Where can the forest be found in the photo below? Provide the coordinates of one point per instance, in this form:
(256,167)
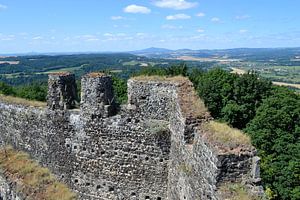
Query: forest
(269,114)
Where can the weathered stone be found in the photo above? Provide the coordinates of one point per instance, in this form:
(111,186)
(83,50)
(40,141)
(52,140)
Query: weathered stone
(152,150)
(97,97)
(61,91)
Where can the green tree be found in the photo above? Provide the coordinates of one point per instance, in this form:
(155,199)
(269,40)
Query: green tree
(216,88)
(176,70)
(120,89)
(275,131)
(6,89)
(35,91)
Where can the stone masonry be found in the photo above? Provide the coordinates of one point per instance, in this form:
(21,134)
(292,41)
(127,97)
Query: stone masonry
(154,148)
(61,91)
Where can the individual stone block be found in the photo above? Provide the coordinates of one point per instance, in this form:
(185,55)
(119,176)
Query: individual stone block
(61,91)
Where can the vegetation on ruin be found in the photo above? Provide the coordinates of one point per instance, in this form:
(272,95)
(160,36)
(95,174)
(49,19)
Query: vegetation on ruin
(31,179)
(235,191)
(226,135)
(269,114)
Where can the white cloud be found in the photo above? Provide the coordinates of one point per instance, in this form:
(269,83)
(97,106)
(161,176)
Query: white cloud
(215,19)
(243,31)
(178,16)
(175,4)
(108,34)
(200,30)
(168,26)
(201,14)
(85,38)
(7,37)
(137,9)
(115,36)
(37,38)
(3,7)
(89,38)
(242,17)
(117,18)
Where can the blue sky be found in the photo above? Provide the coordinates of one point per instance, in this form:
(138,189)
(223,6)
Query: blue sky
(121,25)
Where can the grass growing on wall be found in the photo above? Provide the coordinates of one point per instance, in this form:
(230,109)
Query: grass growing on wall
(32,180)
(235,191)
(226,135)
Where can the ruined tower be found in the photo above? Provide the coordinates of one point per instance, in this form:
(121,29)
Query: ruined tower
(61,91)
(97,97)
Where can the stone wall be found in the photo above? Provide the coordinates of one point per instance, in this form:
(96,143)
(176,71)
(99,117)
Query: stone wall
(151,150)
(8,189)
(97,97)
(61,91)
(197,165)
(110,158)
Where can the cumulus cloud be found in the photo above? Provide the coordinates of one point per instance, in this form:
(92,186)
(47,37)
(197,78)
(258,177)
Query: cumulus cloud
(137,9)
(117,18)
(90,38)
(201,14)
(178,16)
(37,38)
(3,7)
(175,4)
(7,37)
(243,31)
(116,36)
(242,17)
(215,19)
(200,30)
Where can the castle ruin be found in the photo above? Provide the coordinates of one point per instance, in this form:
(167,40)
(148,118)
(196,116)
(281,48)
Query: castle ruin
(156,147)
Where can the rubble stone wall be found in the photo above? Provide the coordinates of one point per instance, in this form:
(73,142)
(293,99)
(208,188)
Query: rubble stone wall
(150,150)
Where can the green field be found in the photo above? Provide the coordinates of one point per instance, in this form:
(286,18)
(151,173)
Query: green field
(68,69)
(288,74)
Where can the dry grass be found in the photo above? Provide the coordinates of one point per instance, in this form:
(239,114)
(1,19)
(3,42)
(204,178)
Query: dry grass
(31,179)
(160,78)
(287,84)
(96,74)
(234,191)
(225,135)
(20,101)
(190,104)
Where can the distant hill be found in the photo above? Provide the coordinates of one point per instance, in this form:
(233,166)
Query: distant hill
(238,53)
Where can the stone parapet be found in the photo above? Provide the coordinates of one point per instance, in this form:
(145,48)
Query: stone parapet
(97,97)
(61,91)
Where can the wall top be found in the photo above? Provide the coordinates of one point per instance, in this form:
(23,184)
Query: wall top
(96,75)
(61,74)
(174,80)
(190,104)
